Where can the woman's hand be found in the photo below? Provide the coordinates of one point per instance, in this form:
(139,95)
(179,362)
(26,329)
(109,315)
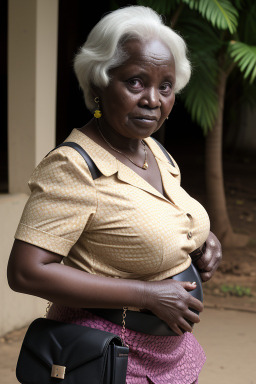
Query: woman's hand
(170,301)
(211,258)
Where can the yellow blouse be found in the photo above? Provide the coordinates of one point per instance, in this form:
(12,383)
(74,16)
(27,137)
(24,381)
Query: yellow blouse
(117,225)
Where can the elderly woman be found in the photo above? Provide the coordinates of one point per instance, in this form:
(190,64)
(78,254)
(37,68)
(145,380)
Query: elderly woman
(117,240)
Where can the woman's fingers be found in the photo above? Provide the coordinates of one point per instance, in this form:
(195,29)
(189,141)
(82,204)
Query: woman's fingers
(208,271)
(209,262)
(188,285)
(182,325)
(195,304)
(171,301)
(191,316)
(176,329)
(192,301)
(185,326)
(205,275)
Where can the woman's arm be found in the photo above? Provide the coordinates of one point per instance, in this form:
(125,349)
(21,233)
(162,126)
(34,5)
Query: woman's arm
(38,272)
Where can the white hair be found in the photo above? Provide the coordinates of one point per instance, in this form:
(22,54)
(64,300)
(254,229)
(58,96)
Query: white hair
(103,47)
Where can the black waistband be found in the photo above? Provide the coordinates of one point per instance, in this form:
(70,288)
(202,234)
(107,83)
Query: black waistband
(136,321)
(145,322)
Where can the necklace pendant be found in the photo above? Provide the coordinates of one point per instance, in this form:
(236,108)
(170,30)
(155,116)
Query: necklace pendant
(145,165)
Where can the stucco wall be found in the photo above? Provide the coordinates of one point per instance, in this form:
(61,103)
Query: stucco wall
(32,78)
(16,309)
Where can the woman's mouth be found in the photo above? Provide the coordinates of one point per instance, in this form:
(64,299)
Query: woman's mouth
(146,120)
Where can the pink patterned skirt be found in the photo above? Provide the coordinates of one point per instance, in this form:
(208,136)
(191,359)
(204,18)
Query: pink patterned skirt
(152,359)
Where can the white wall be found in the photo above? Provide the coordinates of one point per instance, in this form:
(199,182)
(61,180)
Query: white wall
(32,79)
(16,309)
(32,74)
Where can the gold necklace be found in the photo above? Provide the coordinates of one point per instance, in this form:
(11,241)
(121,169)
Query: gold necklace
(145,164)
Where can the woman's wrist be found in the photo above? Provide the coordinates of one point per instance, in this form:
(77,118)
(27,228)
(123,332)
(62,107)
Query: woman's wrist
(144,295)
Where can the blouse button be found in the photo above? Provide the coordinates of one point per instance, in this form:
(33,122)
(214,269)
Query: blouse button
(189,235)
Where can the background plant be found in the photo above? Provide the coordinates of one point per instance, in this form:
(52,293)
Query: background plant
(221,37)
(236,290)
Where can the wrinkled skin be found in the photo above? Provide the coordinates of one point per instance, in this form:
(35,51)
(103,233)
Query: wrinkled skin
(170,301)
(211,259)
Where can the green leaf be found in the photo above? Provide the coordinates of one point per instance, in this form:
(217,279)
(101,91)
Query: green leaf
(220,13)
(200,98)
(199,34)
(245,57)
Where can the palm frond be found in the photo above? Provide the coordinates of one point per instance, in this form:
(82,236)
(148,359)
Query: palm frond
(220,13)
(200,98)
(245,57)
(198,33)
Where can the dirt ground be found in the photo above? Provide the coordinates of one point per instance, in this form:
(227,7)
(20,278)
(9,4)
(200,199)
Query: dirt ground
(227,328)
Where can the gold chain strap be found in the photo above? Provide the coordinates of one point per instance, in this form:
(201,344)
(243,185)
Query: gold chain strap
(123,327)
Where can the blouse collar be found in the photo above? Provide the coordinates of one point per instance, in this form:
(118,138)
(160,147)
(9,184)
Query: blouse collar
(106,162)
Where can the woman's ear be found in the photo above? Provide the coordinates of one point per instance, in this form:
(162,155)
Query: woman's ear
(95,91)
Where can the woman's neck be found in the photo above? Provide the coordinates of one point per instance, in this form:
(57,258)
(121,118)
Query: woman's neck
(115,139)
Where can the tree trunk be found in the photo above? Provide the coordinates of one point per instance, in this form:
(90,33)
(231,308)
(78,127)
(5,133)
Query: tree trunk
(216,200)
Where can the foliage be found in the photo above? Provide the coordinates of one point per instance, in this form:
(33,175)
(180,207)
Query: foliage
(235,290)
(203,44)
(245,57)
(221,14)
(221,36)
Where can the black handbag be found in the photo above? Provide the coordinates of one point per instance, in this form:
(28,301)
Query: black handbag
(54,352)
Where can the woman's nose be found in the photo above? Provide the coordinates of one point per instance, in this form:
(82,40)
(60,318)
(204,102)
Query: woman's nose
(151,98)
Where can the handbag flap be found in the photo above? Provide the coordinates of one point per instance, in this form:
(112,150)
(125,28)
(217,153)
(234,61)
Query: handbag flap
(68,345)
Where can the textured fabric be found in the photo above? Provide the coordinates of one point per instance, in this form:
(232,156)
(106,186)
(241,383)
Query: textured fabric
(152,359)
(118,225)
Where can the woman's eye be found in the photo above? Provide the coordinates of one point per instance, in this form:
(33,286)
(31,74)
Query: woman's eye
(166,87)
(135,83)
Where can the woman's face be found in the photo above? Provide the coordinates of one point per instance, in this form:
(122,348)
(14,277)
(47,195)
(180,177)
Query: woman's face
(140,94)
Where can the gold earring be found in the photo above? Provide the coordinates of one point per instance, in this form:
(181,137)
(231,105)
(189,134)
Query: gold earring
(97,112)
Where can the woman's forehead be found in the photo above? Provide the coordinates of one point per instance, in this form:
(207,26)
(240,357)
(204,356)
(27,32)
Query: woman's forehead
(153,50)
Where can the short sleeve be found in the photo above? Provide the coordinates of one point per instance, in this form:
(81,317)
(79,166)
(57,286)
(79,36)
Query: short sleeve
(62,202)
